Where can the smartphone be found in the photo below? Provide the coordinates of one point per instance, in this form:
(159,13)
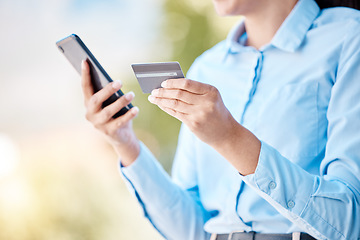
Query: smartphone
(75,51)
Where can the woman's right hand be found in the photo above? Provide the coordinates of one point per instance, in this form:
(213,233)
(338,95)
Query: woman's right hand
(118,131)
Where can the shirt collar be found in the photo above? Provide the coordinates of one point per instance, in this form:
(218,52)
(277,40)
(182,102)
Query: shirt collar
(291,33)
(293,30)
(232,40)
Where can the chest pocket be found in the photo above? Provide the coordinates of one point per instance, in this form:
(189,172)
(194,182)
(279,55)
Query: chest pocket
(288,120)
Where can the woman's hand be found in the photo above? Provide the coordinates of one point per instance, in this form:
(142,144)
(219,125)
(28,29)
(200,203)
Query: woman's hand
(118,131)
(201,108)
(196,104)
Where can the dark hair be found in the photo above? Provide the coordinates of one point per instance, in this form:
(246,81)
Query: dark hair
(339,3)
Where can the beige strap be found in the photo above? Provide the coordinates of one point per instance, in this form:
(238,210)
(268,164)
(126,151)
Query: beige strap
(213,236)
(296,235)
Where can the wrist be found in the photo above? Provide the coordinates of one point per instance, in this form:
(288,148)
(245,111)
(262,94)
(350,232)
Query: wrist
(241,148)
(127,152)
(229,133)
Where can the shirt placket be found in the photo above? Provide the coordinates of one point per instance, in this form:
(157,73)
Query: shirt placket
(259,58)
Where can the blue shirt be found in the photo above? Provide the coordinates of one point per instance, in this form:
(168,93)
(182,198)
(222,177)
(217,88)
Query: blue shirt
(300,95)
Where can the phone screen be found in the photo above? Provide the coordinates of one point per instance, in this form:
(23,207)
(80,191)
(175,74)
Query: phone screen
(75,51)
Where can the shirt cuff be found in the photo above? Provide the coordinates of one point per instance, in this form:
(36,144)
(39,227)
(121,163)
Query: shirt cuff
(150,182)
(282,183)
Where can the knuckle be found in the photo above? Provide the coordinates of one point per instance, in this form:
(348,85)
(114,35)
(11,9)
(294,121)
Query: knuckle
(107,131)
(175,113)
(169,111)
(202,116)
(94,100)
(120,122)
(122,102)
(196,124)
(97,125)
(186,83)
(174,103)
(210,107)
(160,92)
(214,91)
(106,114)
(178,94)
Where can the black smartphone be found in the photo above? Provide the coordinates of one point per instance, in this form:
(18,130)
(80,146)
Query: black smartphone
(75,51)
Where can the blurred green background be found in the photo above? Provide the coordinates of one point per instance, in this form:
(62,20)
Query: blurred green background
(59,179)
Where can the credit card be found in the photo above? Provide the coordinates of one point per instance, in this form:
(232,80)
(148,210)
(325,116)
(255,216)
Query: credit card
(151,75)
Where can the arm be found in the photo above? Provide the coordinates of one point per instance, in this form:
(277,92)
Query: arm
(326,206)
(174,211)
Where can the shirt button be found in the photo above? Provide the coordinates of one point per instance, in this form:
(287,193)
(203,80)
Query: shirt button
(291,204)
(272,185)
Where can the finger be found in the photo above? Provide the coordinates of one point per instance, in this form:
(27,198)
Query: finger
(186,84)
(87,87)
(99,97)
(124,119)
(174,104)
(182,95)
(109,111)
(179,115)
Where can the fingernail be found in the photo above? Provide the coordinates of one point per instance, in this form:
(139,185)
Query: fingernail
(116,84)
(135,109)
(163,84)
(129,96)
(83,64)
(151,98)
(155,92)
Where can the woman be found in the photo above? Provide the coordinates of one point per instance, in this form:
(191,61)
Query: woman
(269,145)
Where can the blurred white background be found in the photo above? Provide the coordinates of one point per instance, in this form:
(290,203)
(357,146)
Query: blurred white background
(33,73)
(59,179)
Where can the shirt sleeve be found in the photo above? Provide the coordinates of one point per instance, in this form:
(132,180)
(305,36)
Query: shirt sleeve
(326,206)
(174,211)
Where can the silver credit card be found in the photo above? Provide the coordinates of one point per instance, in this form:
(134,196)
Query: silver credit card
(151,75)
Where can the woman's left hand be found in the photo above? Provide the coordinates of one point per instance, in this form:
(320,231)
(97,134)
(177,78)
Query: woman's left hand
(197,105)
